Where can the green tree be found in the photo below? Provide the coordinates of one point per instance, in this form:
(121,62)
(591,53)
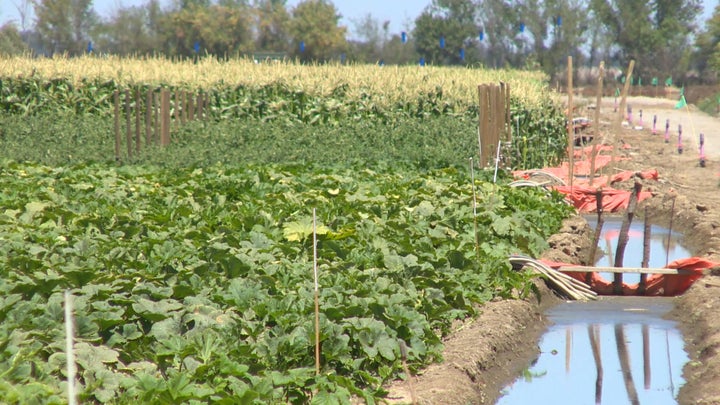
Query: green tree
(654,33)
(315,23)
(444,28)
(11,42)
(64,25)
(707,44)
(369,39)
(128,32)
(272,25)
(217,30)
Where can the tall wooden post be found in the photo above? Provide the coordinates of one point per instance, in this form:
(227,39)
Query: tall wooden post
(598,104)
(148,117)
(570,126)
(165,113)
(138,120)
(128,127)
(116,100)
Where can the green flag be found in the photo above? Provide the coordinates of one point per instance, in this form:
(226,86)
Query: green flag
(654,81)
(617,92)
(682,103)
(639,81)
(668,81)
(682,90)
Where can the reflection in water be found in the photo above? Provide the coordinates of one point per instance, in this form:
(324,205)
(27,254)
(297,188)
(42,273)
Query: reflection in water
(603,343)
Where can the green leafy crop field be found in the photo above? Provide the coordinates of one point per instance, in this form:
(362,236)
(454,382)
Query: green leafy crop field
(191,265)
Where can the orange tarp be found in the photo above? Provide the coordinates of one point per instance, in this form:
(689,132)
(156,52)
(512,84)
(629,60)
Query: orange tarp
(583,198)
(667,285)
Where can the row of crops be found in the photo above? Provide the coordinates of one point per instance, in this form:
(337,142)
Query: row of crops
(191,266)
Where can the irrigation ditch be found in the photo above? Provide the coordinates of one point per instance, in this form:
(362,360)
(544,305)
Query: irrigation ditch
(485,355)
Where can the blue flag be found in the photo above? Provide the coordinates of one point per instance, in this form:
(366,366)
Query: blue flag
(302,46)
(196,47)
(442,42)
(422,61)
(481,35)
(403,37)
(462,53)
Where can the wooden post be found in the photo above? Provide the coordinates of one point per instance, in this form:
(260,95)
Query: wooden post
(148,117)
(128,127)
(165,113)
(646,253)
(191,108)
(647,370)
(508,121)
(598,104)
(184,112)
(623,238)
(200,105)
(138,120)
(626,88)
(116,100)
(570,126)
(598,231)
(482,123)
(176,109)
(156,117)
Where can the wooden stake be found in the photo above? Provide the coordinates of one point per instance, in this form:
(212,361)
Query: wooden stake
(598,231)
(646,253)
(571,127)
(148,117)
(138,120)
(116,100)
(667,248)
(176,109)
(475,225)
(165,112)
(69,348)
(317,299)
(598,103)
(128,127)
(623,238)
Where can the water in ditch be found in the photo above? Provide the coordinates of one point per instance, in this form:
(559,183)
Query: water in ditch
(617,350)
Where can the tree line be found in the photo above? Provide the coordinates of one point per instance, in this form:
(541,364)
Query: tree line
(664,37)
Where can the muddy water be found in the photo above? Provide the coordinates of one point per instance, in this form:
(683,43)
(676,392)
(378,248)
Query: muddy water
(617,350)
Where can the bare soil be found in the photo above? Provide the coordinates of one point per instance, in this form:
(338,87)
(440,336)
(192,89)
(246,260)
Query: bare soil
(486,354)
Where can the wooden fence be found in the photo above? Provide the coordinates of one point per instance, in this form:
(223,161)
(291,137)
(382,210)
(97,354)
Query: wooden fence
(155,112)
(493,121)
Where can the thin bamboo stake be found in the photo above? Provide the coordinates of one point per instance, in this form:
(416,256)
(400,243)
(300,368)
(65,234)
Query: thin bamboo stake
(672,215)
(571,127)
(317,298)
(69,349)
(475,225)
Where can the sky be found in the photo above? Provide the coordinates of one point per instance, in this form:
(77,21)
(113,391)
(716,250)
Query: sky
(400,13)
